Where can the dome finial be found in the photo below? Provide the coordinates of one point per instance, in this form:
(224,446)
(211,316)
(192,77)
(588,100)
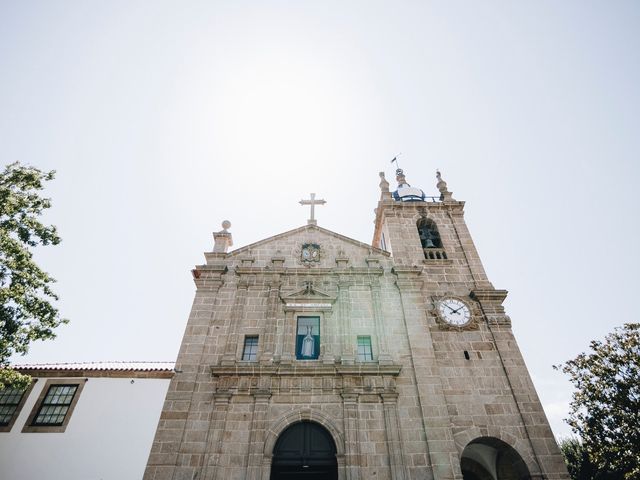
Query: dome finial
(405,192)
(222,240)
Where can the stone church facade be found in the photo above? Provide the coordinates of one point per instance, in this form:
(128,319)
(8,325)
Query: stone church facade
(313,355)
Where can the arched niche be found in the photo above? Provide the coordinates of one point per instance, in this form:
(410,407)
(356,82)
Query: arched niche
(488,458)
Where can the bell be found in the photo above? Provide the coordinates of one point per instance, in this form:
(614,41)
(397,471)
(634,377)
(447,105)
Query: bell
(429,243)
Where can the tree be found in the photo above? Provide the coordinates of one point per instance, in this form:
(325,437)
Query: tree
(579,464)
(26,309)
(605,408)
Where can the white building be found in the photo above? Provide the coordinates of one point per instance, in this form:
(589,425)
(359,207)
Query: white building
(82,421)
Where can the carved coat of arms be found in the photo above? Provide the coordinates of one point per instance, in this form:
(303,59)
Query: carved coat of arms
(310,253)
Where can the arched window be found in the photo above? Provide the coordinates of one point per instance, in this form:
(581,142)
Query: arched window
(429,236)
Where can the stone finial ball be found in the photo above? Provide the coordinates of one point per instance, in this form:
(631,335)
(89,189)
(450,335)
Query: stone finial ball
(226,224)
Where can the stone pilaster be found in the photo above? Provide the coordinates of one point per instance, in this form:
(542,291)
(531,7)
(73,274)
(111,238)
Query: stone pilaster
(286,341)
(394,440)
(383,346)
(273,302)
(347,353)
(472,259)
(236,317)
(431,398)
(176,420)
(352,452)
(256,439)
(216,430)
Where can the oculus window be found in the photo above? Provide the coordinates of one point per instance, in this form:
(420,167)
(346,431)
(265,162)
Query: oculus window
(365,354)
(250,350)
(308,338)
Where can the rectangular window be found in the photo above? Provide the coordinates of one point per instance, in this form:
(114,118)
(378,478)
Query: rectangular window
(365,353)
(10,400)
(55,405)
(52,411)
(250,351)
(308,338)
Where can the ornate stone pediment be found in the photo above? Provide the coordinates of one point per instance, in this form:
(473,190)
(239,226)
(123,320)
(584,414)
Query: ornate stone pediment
(309,297)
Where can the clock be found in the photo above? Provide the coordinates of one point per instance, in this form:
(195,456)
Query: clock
(454,311)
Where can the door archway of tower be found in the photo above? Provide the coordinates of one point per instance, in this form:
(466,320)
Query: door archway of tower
(488,458)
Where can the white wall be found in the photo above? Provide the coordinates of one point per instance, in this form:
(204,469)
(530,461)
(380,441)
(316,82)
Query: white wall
(108,437)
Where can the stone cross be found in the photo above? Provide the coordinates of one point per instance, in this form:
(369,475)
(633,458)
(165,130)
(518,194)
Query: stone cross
(313,202)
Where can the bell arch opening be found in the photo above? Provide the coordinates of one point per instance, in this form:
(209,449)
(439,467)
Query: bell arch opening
(305,450)
(430,239)
(489,458)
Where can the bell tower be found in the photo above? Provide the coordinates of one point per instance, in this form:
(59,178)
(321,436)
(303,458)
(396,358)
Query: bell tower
(461,335)
(422,230)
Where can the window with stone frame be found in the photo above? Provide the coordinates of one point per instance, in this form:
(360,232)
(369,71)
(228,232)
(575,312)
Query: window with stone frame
(11,402)
(54,407)
(250,350)
(365,352)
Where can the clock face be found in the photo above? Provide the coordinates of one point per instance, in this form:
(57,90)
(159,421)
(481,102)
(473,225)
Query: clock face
(454,311)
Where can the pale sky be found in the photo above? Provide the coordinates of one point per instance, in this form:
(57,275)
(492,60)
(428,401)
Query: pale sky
(164,118)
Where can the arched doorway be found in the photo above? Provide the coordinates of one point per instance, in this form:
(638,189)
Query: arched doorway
(489,458)
(305,450)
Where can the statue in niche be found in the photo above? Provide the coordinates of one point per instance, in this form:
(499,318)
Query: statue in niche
(308,344)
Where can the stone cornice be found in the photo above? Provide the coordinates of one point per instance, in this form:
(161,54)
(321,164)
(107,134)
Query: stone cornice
(406,271)
(308,271)
(215,257)
(316,369)
(489,295)
(450,205)
(208,277)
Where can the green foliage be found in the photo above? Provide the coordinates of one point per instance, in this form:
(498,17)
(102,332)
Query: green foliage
(579,464)
(605,408)
(26,309)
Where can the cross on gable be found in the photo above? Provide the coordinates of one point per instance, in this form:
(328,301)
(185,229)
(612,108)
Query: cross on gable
(313,202)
